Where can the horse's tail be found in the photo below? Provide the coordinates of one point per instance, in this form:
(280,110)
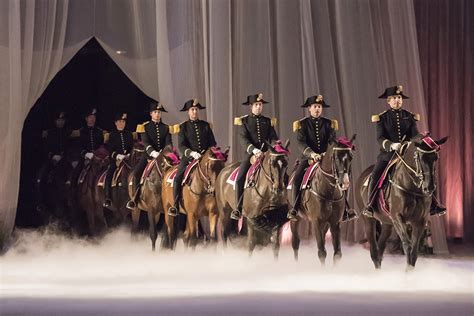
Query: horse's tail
(359,187)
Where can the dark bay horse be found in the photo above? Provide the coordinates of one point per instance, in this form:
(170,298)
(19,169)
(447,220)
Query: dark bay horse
(407,198)
(150,199)
(119,189)
(198,197)
(86,192)
(323,201)
(265,203)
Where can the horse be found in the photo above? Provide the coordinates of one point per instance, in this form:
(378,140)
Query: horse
(86,193)
(197,198)
(265,203)
(405,200)
(150,199)
(119,189)
(323,199)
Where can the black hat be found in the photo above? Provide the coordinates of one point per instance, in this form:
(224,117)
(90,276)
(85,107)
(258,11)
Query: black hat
(120,116)
(251,99)
(189,104)
(92,111)
(318,99)
(156,105)
(60,114)
(396,90)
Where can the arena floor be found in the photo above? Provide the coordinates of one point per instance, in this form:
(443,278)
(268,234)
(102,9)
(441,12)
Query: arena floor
(48,274)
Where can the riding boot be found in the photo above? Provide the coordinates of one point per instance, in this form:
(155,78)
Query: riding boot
(108,200)
(437,208)
(293,212)
(370,209)
(174,210)
(239,191)
(349,213)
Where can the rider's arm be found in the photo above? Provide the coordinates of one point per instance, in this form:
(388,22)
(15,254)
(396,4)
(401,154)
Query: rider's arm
(146,142)
(244,138)
(183,144)
(301,140)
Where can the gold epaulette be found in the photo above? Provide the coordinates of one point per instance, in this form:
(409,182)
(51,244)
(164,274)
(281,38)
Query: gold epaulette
(417,116)
(334,125)
(171,129)
(106,137)
(210,125)
(376,118)
(141,127)
(135,135)
(296,125)
(76,133)
(238,120)
(44,134)
(273,121)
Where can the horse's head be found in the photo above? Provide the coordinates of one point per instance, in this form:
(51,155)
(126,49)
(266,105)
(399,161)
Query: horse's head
(425,154)
(275,163)
(101,158)
(168,158)
(212,162)
(137,152)
(340,152)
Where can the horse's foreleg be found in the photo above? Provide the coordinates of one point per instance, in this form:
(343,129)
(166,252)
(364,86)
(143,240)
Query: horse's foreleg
(382,242)
(336,241)
(295,239)
(370,225)
(252,238)
(318,229)
(135,220)
(191,230)
(213,218)
(416,234)
(276,232)
(401,229)
(152,229)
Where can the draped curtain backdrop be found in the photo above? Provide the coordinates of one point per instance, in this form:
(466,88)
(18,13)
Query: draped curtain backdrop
(219,51)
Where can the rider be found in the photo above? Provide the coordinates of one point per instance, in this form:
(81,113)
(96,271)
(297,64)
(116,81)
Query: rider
(195,136)
(393,126)
(156,136)
(253,131)
(120,145)
(91,137)
(313,134)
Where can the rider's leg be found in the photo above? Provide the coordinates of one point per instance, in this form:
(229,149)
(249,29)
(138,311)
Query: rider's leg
(137,174)
(108,184)
(239,188)
(382,161)
(177,184)
(436,207)
(296,189)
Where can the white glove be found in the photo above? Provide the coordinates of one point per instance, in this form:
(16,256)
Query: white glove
(315,156)
(120,157)
(395,146)
(89,155)
(56,158)
(256,152)
(154,154)
(195,155)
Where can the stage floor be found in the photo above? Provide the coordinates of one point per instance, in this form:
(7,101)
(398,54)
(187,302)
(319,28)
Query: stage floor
(48,274)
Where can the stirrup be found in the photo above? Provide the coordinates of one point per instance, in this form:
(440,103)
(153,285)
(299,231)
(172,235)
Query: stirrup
(292,215)
(173,211)
(349,216)
(107,203)
(131,205)
(368,211)
(236,214)
(439,211)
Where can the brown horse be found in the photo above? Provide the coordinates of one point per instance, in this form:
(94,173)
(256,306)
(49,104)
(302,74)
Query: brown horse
(86,193)
(265,203)
(407,198)
(323,200)
(119,192)
(150,199)
(198,197)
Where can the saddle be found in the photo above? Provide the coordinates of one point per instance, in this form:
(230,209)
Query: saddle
(250,177)
(308,176)
(148,169)
(187,173)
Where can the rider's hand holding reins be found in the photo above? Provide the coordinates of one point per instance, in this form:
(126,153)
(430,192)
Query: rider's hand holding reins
(120,157)
(154,154)
(395,146)
(316,157)
(257,152)
(195,155)
(89,155)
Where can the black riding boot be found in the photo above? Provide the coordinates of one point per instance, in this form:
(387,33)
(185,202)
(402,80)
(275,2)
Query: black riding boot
(239,191)
(296,196)
(174,210)
(132,204)
(369,209)
(437,208)
(349,213)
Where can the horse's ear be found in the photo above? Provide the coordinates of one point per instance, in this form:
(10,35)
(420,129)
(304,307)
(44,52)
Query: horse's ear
(353,138)
(287,144)
(442,140)
(226,150)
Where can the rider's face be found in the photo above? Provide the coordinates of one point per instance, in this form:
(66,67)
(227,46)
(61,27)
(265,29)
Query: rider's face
(395,101)
(90,120)
(257,108)
(315,110)
(155,115)
(193,113)
(120,124)
(60,122)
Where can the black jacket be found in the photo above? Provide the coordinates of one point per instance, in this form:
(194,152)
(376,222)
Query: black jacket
(120,142)
(156,136)
(393,125)
(254,130)
(194,136)
(313,135)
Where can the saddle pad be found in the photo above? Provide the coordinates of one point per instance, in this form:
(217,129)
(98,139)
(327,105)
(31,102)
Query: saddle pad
(250,177)
(233,177)
(308,175)
(83,173)
(101,181)
(290,183)
(117,174)
(148,169)
(170,178)
(382,204)
(189,169)
(382,179)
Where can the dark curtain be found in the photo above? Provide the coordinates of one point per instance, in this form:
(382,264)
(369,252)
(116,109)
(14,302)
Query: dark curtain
(444,30)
